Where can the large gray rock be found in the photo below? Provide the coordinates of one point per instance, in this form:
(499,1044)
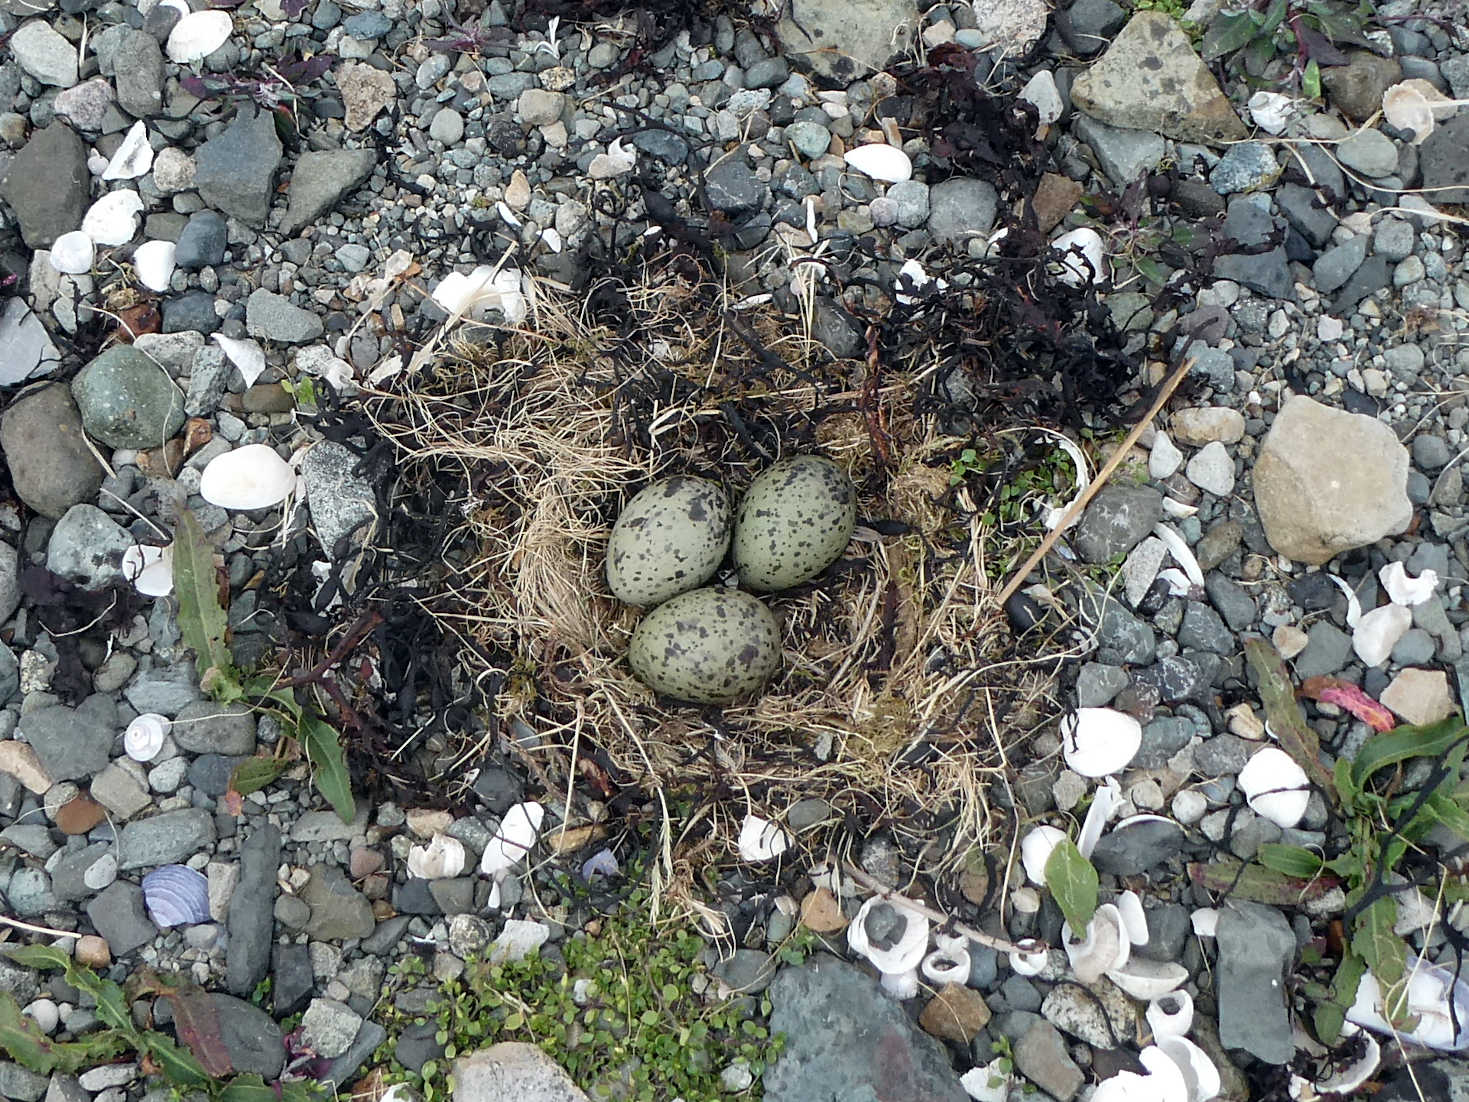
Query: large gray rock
(1256,947)
(47,185)
(128,401)
(251,918)
(1327,481)
(1151,79)
(1116,520)
(235,170)
(250,1035)
(72,743)
(514,1069)
(50,464)
(1444,161)
(164,839)
(44,54)
(341,501)
(138,68)
(960,209)
(320,180)
(846,1039)
(87,546)
(847,39)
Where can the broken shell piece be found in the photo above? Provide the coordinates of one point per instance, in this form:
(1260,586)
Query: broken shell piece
(1083,256)
(1134,917)
(1040,92)
(197,35)
(517,835)
(1178,547)
(145,735)
(251,477)
(1177,581)
(134,157)
(1164,1082)
(1104,948)
(1378,631)
(760,839)
(1205,921)
(1147,980)
(916,279)
(153,264)
(1054,516)
(892,934)
(617,161)
(1349,1078)
(1171,1015)
(1415,105)
(1025,900)
(1271,111)
(1098,741)
(72,253)
(149,568)
(1354,606)
(988,1082)
(880,161)
(113,219)
(949,963)
(1275,786)
(1027,959)
(245,354)
(1104,800)
(1403,590)
(1433,995)
(1177,509)
(442,859)
(1200,1076)
(1035,850)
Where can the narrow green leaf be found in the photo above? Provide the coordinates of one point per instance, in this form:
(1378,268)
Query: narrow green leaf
(1256,883)
(1381,950)
(1311,86)
(1402,743)
(1286,719)
(1331,1014)
(38,956)
(253,774)
(1228,32)
(1346,788)
(324,751)
(202,620)
(112,1004)
(1274,16)
(1073,882)
(1291,860)
(251,1088)
(178,1064)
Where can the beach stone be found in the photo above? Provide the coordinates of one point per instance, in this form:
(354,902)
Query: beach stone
(44,54)
(251,915)
(1100,1014)
(250,1035)
(26,349)
(1200,425)
(118,914)
(127,401)
(235,170)
(86,547)
(1337,265)
(205,727)
(961,208)
(1212,470)
(1124,154)
(538,107)
(957,1013)
(339,911)
(1151,79)
(341,500)
(45,448)
(47,185)
(1041,1056)
(1245,166)
(1356,88)
(1420,696)
(1369,152)
(273,317)
(164,839)
(1306,213)
(1116,520)
(1327,481)
(845,39)
(72,743)
(1444,161)
(513,1069)
(365,90)
(1256,948)
(138,73)
(320,180)
(85,106)
(202,243)
(733,187)
(865,1046)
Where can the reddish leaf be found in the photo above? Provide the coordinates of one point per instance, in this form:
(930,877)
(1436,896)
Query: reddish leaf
(1333,690)
(197,1027)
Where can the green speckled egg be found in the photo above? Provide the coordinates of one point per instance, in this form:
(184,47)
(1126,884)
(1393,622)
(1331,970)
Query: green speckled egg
(793,523)
(710,646)
(671,538)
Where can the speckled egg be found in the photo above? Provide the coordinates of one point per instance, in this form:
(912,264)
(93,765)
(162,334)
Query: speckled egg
(671,538)
(794,522)
(710,646)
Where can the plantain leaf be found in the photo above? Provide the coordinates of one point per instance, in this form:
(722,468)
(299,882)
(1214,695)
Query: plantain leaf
(38,956)
(202,619)
(1228,32)
(1381,950)
(324,751)
(22,1040)
(1291,860)
(1311,89)
(1256,883)
(1286,720)
(253,774)
(1330,1014)
(1073,882)
(1403,743)
(178,1064)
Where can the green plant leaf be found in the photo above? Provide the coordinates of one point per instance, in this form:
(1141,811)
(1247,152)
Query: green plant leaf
(38,956)
(1346,789)
(24,1042)
(1258,884)
(324,751)
(1286,719)
(1228,32)
(202,620)
(1291,860)
(253,774)
(1073,882)
(1331,1014)
(1274,16)
(178,1064)
(1311,89)
(1381,950)
(112,1003)
(1402,743)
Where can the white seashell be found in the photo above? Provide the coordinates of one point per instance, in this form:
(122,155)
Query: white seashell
(907,952)
(617,161)
(1178,582)
(252,477)
(1054,516)
(474,295)
(246,355)
(1104,948)
(1354,606)
(1104,801)
(1200,1076)
(442,859)
(1205,921)
(916,278)
(1091,263)
(1430,992)
(1178,547)
(515,838)
(551,238)
(1163,1083)
(507,215)
(989,1082)
(1149,979)
(197,35)
(1378,631)
(1035,850)
(134,157)
(72,253)
(113,219)
(144,736)
(1275,786)
(760,839)
(1349,1078)
(1098,741)
(1271,111)
(1171,1015)
(1025,960)
(1416,105)
(1178,509)
(1403,590)
(1134,917)
(149,568)
(101,872)
(941,966)
(153,264)
(880,161)
(1041,92)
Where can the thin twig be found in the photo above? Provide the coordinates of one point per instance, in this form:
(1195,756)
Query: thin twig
(19,925)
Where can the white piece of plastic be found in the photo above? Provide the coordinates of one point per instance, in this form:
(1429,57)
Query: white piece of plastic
(517,835)
(761,840)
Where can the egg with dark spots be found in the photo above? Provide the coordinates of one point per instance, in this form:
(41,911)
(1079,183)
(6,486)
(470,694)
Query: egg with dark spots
(708,646)
(670,538)
(794,522)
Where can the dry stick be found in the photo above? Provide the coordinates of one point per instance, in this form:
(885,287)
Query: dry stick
(19,925)
(1097,483)
(857,873)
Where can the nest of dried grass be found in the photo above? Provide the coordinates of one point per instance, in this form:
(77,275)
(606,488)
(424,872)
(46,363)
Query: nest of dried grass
(899,702)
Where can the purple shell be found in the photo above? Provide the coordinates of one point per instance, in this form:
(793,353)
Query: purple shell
(176,895)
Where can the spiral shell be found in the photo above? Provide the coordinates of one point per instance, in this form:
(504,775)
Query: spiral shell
(144,736)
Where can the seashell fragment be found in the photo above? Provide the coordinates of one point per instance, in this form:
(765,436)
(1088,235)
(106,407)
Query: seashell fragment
(149,568)
(144,736)
(72,253)
(134,157)
(1134,917)
(894,953)
(517,835)
(442,859)
(1200,1076)
(1171,1015)
(760,839)
(1083,256)
(1104,947)
(1349,1078)
(916,279)
(1035,850)
(113,219)
(176,895)
(153,264)
(1099,741)
(1146,980)
(949,963)
(197,35)
(1205,921)
(1027,959)
(1275,786)
(1433,995)
(482,290)
(880,161)
(1271,111)
(1378,631)
(1354,606)
(251,477)
(245,354)
(1403,590)
(1103,802)
(1416,105)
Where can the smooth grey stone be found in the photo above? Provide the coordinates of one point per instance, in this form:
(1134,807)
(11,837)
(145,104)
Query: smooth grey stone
(1137,847)
(1256,948)
(1097,683)
(51,466)
(164,839)
(118,914)
(1162,738)
(235,170)
(1232,601)
(72,744)
(1202,628)
(960,209)
(1305,211)
(47,185)
(1335,266)
(251,916)
(203,241)
(747,971)
(128,401)
(269,316)
(322,177)
(250,1035)
(733,188)
(339,912)
(1328,649)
